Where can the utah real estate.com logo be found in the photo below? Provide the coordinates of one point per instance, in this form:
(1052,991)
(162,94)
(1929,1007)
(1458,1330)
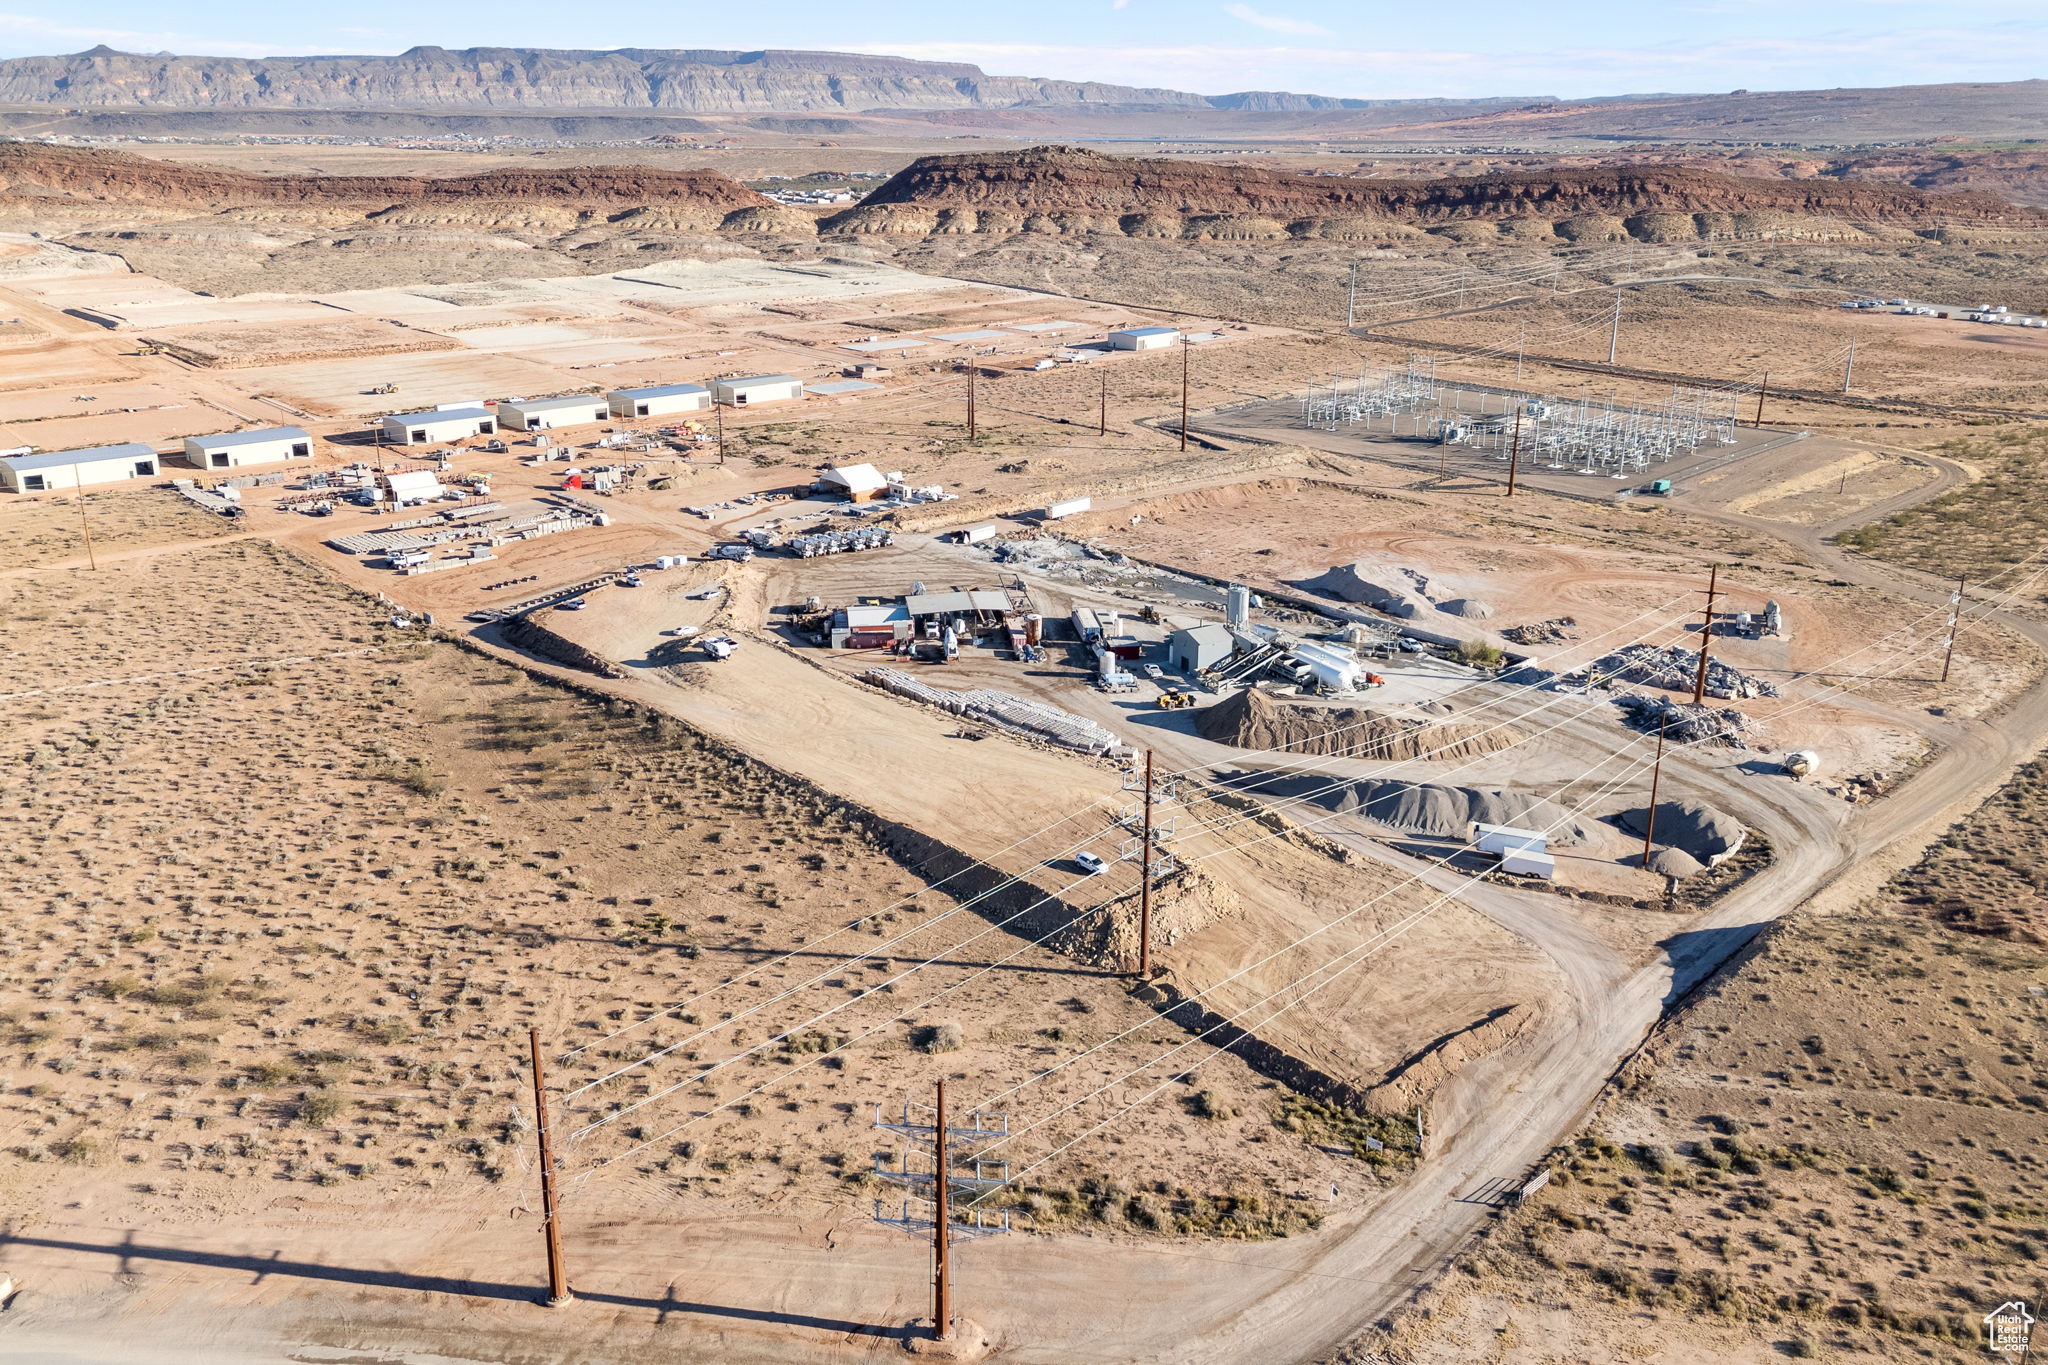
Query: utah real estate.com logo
(2009,1328)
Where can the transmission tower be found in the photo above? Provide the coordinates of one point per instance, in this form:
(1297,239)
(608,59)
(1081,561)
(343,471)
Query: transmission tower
(934,1153)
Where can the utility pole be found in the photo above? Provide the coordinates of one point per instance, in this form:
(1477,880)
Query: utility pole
(1183,392)
(718,417)
(1514,452)
(1955,625)
(971,368)
(1656,777)
(1614,333)
(1761,389)
(551,1226)
(84,521)
(949,1146)
(1699,682)
(1145,880)
(1102,409)
(1351,300)
(1521,345)
(1461,286)
(1849,367)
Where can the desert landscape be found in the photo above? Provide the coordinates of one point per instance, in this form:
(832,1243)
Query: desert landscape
(799,707)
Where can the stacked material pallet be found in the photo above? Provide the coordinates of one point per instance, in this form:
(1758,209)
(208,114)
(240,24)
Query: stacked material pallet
(1000,708)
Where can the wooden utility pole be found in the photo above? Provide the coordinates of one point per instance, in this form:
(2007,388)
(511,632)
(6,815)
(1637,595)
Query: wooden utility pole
(942,1226)
(558,1277)
(718,417)
(1699,682)
(1955,625)
(971,368)
(1656,777)
(84,521)
(1521,345)
(1514,452)
(1183,392)
(1102,408)
(1145,880)
(1761,389)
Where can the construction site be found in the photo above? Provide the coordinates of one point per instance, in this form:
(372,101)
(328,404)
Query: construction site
(801,810)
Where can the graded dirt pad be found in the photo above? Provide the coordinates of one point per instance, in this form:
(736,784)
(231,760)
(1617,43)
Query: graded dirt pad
(1835,1153)
(1251,719)
(232,347)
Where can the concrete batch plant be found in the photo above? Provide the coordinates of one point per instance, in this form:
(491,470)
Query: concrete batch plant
(544,414)
(53,470)
(233,449)
(441,424)
(1143,338)
(752,389)
(659,401)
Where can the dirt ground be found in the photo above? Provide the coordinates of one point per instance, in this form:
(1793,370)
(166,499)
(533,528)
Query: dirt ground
(1835,1152)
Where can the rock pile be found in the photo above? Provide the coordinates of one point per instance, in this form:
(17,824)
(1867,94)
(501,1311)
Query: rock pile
(1674,669)
(1556,631)
(1252,720)
(1684,723)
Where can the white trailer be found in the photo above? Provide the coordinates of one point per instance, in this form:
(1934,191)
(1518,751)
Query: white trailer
(1068,508)
(974,535)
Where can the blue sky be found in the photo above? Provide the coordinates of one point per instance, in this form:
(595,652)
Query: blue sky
(1360,48)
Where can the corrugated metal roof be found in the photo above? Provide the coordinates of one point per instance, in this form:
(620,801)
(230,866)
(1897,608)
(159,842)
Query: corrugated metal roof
(835,387)
(58,459)
(867,617)
(752,379)
(422,419)
(660,391)
(933,603)
(578,401)
(1144,332)
(229,439)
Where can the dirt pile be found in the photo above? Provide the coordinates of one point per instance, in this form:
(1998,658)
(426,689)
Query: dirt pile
(1425,808)
(1072,189)
(34,171)
(1253,720)
(1708,835)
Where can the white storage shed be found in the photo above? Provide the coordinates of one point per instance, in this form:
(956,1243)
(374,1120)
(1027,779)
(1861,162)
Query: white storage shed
(659,401)
(413,485)
(233,449)
(54,470)
(442,424)
(1143,338)
(544,414)
(756,388)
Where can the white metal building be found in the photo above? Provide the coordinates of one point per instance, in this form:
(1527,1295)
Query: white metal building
(442,424)
(233,449)
(659,401)
(858,482)
(1198,648)
(55,470)
(413,485)
(543,414)
(1143,338)
(756,388)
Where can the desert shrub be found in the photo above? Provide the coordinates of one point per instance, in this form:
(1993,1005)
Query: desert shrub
(1480,654)
(320,1108)
(947,1037)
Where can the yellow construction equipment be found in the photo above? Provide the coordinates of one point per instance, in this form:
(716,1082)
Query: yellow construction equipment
(385,388)
(1175,701)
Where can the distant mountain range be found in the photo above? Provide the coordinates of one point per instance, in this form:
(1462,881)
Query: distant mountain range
(689,81)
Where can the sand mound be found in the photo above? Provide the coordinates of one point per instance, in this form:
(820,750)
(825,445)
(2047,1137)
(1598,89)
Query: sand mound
(1360,583)
(1425,808)
(1705,834)
(1675,862)
(1253,720)
(1469,608)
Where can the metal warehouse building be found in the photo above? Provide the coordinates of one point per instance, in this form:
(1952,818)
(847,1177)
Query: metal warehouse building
(659,401)
(53,470)
(542,414)
(1198,648)
(1142,338)
(233,449)
(442,424)
(756,388)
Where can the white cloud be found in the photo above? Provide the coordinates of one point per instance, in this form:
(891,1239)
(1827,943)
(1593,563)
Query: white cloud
(1276,23)
(42,31)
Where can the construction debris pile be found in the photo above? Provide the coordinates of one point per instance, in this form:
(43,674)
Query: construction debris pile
(1424,808)
(1251,719)
(1674,669)
(1000,708)
(1556,631)
(1683,723)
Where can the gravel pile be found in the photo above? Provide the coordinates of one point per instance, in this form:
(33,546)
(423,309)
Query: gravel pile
(1425,808)
(1252,720)
(1707,835)
(1557,631)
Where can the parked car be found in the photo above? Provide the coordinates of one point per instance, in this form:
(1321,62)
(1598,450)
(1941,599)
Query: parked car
(573,604)
(1090,864)
(1152,671)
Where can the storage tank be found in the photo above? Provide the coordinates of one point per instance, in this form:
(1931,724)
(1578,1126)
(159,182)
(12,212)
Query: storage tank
(1802,763)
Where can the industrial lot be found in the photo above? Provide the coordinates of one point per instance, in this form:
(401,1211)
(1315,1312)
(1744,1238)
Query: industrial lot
(688,736)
